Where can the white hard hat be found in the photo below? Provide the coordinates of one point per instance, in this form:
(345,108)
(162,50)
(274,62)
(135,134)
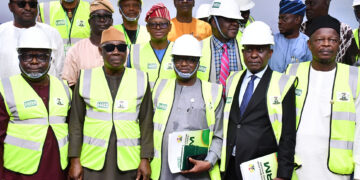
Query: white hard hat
(186,45)
(257,33)
(245,5)
(34,38)
(356,3)
(225,8)
(203,11)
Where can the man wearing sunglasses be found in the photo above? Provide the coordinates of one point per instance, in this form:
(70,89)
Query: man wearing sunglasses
(222,50)
(33,115)
(111,129)
(24,13)
(130,12)
(69,17)
(154,57)
(186,103)
(185,23)
(85,53)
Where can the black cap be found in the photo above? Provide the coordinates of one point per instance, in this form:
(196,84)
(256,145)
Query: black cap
(322,22)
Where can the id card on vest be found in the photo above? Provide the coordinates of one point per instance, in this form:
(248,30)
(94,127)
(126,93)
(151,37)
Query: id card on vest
(262,168)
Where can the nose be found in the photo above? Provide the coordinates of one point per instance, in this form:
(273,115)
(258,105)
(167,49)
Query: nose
(254,54)
(27,6)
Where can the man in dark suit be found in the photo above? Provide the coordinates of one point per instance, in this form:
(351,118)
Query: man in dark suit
(259,115)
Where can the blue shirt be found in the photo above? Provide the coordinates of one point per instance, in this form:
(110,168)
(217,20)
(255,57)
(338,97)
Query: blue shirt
(160,54)
(288,51)
(218,53)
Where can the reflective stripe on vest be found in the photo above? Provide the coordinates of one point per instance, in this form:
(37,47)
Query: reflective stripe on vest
(143,57)
(29,123)
(278,87)
(207,60)
(343,113)
(102,113)
(53,14)
(163,97)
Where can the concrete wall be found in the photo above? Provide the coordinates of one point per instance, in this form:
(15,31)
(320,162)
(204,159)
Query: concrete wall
(264,10)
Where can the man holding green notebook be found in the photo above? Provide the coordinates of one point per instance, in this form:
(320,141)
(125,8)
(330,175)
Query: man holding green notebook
(187,104)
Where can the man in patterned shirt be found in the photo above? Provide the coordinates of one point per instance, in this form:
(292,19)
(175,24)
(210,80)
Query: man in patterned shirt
(348,49)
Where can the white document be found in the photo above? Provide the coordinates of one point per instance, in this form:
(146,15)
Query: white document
(262,168)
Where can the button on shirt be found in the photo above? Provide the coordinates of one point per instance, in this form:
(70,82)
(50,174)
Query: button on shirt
(244,83)
(217,53)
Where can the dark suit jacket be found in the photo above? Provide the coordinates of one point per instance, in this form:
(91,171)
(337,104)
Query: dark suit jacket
(253,135)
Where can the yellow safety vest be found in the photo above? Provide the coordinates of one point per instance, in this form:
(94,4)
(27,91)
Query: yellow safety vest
(30,120)
(356,36)
(142,36)
(278,88)
(163,97)
(102,113)
(343,114)
(53,14)
(208,59)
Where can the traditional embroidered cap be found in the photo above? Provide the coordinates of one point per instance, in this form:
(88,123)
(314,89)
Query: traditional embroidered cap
(292,7)
(323,22)
(112,34)
(101,4)
(158,10)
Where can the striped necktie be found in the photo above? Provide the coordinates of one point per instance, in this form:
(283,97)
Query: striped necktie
(225,67)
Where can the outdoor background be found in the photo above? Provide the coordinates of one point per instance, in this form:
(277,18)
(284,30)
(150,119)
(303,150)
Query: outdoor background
(264,10)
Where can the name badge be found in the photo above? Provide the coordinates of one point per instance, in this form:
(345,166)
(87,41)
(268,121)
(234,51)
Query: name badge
(60,22)
(30,103)
(151,65)
(298,92)
(202,68)
(102,105)
(162,106)
(229,100)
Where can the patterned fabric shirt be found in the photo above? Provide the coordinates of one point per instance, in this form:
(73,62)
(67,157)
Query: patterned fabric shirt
(348,49)
(218,51)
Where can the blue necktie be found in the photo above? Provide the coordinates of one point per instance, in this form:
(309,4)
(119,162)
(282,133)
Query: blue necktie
(247,95)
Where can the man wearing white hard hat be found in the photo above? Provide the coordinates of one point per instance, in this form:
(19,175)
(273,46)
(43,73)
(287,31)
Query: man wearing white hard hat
(221,51)
(356,6)
(33,111)
(203,11)
(259,115)
(187,103)
(245,7)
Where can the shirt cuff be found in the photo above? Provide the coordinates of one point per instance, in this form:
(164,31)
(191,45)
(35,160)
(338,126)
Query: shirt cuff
(357,172)
(212,158)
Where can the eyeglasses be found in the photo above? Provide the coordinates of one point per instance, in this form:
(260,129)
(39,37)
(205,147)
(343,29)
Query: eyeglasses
(22,4)
(39,57)
(111,47)
(161,25)
(184,0)
(98,17)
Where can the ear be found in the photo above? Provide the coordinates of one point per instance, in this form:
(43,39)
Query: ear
(11,8)
(148,28)
(100,50)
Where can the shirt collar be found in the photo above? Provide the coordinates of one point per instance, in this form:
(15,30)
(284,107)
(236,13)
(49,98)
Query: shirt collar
(258,74)
(218,44)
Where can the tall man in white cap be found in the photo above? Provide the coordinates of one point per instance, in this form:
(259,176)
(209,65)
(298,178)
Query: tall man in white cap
(328,108)
(25,13)
(259,114)
(33,111)
(186,103)
(221,52)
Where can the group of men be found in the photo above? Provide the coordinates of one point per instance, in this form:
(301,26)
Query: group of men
(82,98)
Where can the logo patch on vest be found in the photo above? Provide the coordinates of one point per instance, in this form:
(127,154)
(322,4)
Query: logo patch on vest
(151,65)
(343,96)
(202,68)
(59,101)
(162,106)
(169,66)
(102,105)
(80,23)
(229,100)
(60,22)
(275,100)
(298,92)
(122,104)
(216,5)
(30,103)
